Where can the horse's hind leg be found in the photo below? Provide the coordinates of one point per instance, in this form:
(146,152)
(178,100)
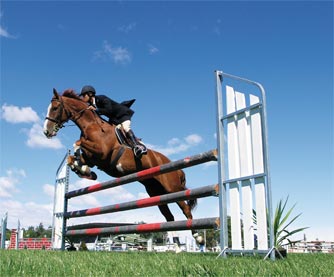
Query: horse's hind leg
(154,188)
(185,209)
(166,212)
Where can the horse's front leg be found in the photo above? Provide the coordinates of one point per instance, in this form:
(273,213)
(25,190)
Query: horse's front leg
(95,148)
(78,164)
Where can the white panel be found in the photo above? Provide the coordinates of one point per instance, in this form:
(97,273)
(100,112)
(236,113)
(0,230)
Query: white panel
(232,137)
(244,138)
(62,172)
(256,137)
(261,213)
(235,215)
(233,170)
(247,216)
(58,214)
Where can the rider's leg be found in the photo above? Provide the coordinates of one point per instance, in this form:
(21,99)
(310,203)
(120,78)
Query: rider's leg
(137,148)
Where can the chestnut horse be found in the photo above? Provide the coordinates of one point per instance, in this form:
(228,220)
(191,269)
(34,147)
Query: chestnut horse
(100,147)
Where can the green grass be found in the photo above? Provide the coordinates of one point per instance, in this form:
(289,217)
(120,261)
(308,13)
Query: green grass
(56,263)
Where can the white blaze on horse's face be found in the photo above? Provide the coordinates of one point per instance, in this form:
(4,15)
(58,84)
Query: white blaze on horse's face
(49,129)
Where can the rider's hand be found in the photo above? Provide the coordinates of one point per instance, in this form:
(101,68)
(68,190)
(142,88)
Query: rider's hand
(91,107)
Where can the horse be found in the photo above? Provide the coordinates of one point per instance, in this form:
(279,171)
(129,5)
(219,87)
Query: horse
(100,147)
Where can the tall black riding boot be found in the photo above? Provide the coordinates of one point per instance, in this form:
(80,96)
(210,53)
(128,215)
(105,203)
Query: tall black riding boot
(138,149)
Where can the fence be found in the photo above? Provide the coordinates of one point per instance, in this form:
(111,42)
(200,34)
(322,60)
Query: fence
(62,197)
(243,179)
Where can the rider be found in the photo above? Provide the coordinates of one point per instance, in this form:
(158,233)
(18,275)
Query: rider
(117,113)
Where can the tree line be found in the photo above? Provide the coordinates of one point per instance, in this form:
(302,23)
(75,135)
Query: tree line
(34,232)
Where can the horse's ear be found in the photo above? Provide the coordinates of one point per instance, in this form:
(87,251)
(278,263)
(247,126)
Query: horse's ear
(55,93)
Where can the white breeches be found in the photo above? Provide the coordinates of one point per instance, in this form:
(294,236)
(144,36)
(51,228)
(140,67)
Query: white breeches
(126,125)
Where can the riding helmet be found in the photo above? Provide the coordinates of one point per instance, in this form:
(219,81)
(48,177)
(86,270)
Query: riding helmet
(87,89)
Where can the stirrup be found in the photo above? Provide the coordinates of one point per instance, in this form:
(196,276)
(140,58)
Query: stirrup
(139,151)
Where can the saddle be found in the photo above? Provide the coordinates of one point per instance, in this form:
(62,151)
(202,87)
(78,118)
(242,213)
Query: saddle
(121,136)
(123,139)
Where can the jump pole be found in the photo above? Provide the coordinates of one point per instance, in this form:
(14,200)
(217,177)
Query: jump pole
(148,202)
(203,223)
(147,173)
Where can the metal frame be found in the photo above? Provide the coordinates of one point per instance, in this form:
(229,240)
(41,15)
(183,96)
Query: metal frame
(65,180)
(3,231)
(221,117)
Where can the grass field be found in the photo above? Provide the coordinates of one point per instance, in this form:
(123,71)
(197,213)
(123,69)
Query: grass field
(56,263)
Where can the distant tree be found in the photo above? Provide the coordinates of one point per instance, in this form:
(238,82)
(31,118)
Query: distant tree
(8,233)
(30,232)
(212,238)
(38,232)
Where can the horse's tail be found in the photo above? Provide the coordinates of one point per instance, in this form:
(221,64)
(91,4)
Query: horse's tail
(192,203)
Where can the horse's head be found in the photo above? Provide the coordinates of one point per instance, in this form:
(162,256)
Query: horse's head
(56,116)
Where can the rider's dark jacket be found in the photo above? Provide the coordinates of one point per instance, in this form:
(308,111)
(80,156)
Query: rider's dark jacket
(116,112)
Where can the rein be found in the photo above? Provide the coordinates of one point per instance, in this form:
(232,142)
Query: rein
(70,116)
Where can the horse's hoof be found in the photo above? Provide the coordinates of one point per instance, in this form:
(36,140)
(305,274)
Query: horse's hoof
(91,176)
(177,249)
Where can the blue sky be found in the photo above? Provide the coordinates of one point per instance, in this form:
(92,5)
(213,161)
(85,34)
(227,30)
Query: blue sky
(164,54)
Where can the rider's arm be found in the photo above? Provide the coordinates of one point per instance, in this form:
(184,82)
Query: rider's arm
(105,106)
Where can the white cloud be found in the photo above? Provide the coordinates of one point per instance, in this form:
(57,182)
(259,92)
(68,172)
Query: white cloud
(4,32)
(174,141)
(49,190)
(82,183)
(152,49)
(8,183)
(14,114)
(210,164)
(120,194)
(84,202)
(127,28)
(176,145)
(29,213)
(118,55)
(217,27)
(36,139)
(193,139)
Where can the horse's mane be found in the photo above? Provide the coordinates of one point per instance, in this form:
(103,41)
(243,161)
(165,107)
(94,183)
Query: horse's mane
(71,94)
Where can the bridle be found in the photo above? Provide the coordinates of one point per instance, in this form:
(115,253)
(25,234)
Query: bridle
(59,124)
